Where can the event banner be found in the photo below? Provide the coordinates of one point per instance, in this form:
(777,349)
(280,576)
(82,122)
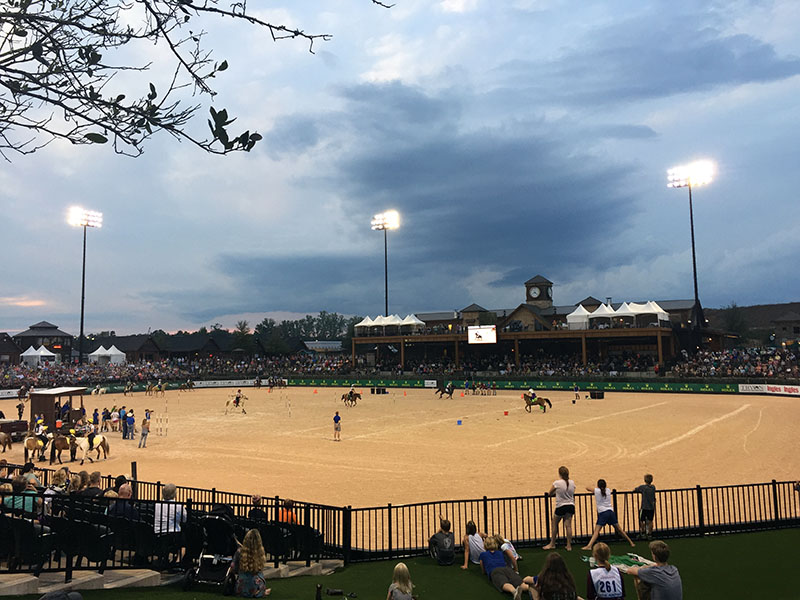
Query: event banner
(8,393)
(769,389)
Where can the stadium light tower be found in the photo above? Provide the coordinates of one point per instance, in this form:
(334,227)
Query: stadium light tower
(79,217)
(697,173)
(383,222)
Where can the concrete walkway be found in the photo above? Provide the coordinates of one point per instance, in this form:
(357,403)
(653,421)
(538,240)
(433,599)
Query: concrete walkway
(25,583)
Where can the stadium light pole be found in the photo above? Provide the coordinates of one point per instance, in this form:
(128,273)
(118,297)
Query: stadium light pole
(697,173)
(79,217)
(383,222)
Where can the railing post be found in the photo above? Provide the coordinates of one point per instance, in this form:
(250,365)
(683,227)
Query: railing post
(347,533)
(701,527)
(213,496)
(547,516)
(306,532)
(486,514)
(389,519)
(775,506)
(276,508)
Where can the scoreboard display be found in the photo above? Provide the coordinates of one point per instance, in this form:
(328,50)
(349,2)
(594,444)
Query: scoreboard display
(482,334)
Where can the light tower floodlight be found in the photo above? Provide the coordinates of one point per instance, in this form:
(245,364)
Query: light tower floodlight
(700,172)
(383,222)
(79,217)
(697,173)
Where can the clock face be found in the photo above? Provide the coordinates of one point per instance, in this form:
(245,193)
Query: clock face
(550,293)
(534,292)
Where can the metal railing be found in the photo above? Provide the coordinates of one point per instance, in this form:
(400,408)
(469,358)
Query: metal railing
(357,534)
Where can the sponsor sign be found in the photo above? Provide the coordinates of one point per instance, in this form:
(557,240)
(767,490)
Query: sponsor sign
(224,383)
(8,393)
(482,334)
(430,383)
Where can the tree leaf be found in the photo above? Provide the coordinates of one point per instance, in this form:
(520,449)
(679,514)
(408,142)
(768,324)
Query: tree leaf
(96,138)
(223,65)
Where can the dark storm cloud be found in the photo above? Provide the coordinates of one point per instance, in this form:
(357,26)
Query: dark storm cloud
(649,58)
(515,201)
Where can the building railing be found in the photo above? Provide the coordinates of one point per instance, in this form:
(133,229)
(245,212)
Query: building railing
(39,534)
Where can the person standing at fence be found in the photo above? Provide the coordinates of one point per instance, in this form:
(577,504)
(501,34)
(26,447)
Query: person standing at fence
(662,580)
(473,545)
(337,427)
(647,508)
(605,514)
(564,491)
(605,581)
(143,433)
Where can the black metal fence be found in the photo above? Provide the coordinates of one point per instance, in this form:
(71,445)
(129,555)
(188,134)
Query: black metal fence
(45,531)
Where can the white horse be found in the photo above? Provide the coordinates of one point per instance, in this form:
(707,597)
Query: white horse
(99,391)
(82,444)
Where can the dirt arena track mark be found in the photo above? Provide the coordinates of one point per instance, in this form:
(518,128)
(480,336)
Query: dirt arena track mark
(694,431)
(747,435)
(589,420)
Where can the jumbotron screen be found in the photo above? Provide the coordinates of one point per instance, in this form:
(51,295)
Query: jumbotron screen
(482,334)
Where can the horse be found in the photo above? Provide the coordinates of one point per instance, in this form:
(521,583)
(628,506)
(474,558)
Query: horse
(32,445)
(128,389)
(22,393)
(58,444)
(351,398)
(234,404)
(532,400)
(161,389)
(5,440)
(82,444)
(99,391)
(444,389)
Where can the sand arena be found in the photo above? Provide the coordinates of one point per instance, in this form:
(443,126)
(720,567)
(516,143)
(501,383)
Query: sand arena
(407,447)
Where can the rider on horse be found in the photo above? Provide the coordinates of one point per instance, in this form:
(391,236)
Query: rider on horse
(237,398)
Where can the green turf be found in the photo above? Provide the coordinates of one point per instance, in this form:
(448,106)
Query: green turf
(753,565)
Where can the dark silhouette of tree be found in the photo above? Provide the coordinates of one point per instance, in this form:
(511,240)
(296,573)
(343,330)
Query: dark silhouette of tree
(66,73)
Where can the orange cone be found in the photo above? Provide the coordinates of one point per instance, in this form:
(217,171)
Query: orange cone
(315,391)
(404,393)
(462,394)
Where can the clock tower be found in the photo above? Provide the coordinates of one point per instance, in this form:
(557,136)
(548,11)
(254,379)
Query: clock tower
(539,292)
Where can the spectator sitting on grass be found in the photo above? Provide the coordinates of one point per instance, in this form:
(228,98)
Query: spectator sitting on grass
(473,545)
(504,578)
(401,587)
(661,581)
(248,566)
(442,544)
(555,581)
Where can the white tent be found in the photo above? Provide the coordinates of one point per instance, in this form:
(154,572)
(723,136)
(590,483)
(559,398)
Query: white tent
(394,320)
(116,356)
(628,309)
(660,312)
(46,354)
(99,356)
(604,311)
(30,357)
(365,322)
(413,320)
(379,321)
(578,318)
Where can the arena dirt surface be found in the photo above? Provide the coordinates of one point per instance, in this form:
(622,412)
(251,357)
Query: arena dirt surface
(406,446)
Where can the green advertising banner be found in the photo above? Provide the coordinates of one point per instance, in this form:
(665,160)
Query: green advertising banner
(605,386)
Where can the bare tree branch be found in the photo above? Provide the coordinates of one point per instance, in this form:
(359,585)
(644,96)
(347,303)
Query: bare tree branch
(57,72)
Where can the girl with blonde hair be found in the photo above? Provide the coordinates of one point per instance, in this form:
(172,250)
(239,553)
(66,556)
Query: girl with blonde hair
(401,586)
(248,565)
(605,581)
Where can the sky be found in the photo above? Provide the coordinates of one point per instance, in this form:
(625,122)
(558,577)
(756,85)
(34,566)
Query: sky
(515,138)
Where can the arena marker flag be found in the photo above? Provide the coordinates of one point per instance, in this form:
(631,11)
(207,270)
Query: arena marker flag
(505,413)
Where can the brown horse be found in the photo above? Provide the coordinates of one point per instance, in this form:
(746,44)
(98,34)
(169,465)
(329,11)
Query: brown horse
(57,445)
(5,440)
(33,445)
(531,401)
(351,398)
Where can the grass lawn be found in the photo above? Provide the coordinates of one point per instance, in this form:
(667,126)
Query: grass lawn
(733,566)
